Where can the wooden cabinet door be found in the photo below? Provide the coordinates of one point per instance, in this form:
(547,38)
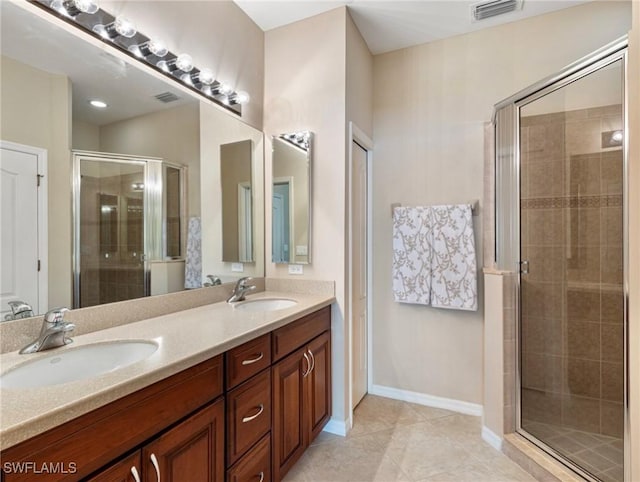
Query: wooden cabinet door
(318,402)
(191,451)
(127,470)
(289,427)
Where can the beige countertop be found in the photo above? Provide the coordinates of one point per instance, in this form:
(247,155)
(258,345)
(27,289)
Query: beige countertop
(185,339)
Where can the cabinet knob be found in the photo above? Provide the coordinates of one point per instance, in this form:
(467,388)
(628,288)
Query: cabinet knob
(253,417)
(261,475)
(253,360)
(154,461)
(134,472)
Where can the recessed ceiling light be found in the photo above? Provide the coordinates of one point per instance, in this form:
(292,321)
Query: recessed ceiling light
(98,103)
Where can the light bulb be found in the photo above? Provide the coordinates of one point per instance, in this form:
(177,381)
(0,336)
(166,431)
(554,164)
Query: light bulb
(164,65)
(242,97)
(184,62)
(207,77)
(86,6)
(125,27)
(225,89)
(98,103)
(186,78)
(158,48)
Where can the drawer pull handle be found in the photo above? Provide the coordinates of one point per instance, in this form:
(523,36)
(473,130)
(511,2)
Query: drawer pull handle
(253,417)
(313,361)
(134,472)
(306,372)
(250,361)
(261,476)
(154,461)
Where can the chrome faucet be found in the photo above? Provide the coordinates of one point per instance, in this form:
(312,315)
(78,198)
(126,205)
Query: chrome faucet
(53,333)
(213,281)
(240,290)
(19,310)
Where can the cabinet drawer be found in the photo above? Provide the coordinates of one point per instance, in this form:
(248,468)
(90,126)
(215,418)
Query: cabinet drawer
(255,465)
(294,335)
(248,415)
(246,360)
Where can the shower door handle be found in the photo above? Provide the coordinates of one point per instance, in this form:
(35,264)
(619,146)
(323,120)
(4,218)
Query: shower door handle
(524,266)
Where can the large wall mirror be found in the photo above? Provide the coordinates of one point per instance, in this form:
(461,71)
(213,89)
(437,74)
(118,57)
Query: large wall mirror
(145,157)
(291,207)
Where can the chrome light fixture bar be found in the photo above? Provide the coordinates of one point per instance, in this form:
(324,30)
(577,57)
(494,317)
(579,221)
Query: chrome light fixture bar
(121,33)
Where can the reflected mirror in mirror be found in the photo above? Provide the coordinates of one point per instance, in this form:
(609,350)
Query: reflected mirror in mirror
(50,73)
(291,205)
(237,203)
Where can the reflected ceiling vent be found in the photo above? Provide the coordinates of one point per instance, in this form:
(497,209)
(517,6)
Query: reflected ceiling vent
(484,10)
(167,97)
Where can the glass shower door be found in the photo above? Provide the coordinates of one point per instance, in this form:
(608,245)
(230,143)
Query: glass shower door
(571,310)
(112,207)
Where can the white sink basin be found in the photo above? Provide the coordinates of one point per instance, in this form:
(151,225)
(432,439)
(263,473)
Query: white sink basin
(266,304)
(77,363)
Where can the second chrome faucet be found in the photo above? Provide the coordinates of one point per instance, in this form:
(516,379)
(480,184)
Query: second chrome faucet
(241,289)
(54,332)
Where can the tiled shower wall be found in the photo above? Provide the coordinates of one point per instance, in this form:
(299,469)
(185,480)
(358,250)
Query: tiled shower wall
(572,299)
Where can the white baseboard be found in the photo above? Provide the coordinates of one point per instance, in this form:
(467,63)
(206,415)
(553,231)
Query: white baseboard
(428,400)
(336,427)
(492,438)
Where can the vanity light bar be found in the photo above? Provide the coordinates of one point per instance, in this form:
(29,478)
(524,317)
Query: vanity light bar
(122,33)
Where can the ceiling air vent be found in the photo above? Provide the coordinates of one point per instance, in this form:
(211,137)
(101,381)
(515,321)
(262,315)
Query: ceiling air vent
(167,97)
(481,11)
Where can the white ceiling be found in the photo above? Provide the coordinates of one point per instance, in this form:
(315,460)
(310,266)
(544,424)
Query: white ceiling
(392,25)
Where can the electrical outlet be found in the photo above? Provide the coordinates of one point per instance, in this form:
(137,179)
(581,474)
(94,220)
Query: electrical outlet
(237,267)
(296,269)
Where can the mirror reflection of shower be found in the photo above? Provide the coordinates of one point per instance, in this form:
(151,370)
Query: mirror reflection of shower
(128,212)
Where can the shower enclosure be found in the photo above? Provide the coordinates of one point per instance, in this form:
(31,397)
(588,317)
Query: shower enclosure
(561,224)
(128,211)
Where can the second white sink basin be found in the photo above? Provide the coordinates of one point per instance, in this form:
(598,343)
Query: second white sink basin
(77,363)
(266,304)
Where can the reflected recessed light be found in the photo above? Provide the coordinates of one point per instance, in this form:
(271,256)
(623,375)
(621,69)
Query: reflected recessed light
(98,103)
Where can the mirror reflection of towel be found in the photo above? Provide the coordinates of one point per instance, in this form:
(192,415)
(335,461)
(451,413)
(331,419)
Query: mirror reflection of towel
(193,261)
(434,259)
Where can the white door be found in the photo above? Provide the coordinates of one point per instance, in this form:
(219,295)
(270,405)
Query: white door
(359,272)
(19,224)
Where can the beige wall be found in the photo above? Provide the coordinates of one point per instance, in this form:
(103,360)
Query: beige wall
(359,81)
(307,92)
(36,111)
(171,134)
(85,136)
(217,128)
(633,86)
(427,133)
(217,34)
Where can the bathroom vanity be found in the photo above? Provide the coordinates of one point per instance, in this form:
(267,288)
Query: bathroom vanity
(247,412)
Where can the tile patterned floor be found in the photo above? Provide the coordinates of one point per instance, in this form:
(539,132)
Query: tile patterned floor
(397,441)
(601,455)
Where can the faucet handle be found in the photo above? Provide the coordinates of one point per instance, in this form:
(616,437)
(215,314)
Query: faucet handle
(242,282)
(55,316)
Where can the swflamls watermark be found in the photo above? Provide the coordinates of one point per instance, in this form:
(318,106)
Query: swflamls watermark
(28,467)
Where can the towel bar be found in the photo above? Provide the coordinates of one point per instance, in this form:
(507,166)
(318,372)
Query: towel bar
(475,207)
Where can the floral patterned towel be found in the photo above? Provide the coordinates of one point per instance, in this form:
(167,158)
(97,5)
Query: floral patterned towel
(434,260)
(412,255)
(193,263)
(454,282)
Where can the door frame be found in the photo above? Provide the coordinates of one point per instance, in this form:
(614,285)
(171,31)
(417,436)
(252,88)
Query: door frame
(43,219)
(364,141)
